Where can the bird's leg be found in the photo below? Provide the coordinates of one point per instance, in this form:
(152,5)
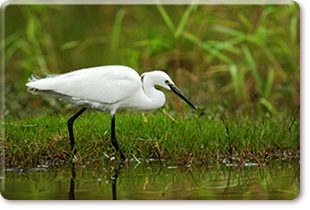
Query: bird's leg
(113,139)
(70,126)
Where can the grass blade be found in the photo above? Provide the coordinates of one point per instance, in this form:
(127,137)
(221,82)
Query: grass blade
(245,21)
(227,45)
(274,61)
(234,77)
(207,47)
(294,29)
(252,64)
(184,19)
(269,83)
(166,17)
(229,31)
(69,45)
(268,105)
(117,28)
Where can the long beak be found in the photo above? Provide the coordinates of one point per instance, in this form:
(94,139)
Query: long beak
(179,93)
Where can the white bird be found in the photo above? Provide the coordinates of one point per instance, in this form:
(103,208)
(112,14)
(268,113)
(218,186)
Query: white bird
(108,89)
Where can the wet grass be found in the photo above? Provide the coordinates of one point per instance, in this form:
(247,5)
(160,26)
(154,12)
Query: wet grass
(176,137)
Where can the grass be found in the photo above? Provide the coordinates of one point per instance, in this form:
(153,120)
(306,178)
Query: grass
(177,137)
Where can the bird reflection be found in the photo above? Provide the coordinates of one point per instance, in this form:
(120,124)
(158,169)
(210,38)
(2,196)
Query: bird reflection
(113,181)
(73,174)
(114,178)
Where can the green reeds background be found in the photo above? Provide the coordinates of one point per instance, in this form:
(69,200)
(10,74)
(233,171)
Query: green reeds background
(244,58)
(239,64)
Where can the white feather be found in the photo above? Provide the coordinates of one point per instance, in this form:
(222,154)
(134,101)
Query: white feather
(106,88)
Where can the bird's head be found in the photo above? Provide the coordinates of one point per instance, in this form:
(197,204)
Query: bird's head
(159,78)
(162,79)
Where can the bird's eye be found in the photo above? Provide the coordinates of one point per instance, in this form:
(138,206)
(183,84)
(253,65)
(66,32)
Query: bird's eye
(167,82)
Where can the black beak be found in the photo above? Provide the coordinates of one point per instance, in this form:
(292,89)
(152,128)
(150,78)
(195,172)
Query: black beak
(179,93)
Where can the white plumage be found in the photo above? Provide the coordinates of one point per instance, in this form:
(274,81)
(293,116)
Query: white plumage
(107,88)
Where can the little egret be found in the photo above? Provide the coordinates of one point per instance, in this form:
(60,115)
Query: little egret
(107,88)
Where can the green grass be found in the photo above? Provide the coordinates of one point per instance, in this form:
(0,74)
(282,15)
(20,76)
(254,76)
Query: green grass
(177,137)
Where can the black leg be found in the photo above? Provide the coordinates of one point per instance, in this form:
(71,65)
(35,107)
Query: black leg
(73,174)
(70,126)
(113,139)
(114,184)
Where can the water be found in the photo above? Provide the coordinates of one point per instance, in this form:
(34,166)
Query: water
(279,180)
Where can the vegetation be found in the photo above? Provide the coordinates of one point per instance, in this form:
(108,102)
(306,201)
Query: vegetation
(239,64)
(176,138)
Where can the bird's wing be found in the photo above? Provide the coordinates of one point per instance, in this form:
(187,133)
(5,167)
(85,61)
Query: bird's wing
(108,84)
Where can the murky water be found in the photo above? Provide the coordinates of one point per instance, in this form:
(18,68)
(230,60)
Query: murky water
(279,180)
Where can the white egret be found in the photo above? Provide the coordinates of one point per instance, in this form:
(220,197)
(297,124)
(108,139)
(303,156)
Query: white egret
(108,89)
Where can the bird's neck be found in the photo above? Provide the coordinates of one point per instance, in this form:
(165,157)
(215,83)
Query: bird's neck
(156,98)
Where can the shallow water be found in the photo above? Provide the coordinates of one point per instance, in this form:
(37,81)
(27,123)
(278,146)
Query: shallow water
(279,180)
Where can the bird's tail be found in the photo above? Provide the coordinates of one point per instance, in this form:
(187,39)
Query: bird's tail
(33,79)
